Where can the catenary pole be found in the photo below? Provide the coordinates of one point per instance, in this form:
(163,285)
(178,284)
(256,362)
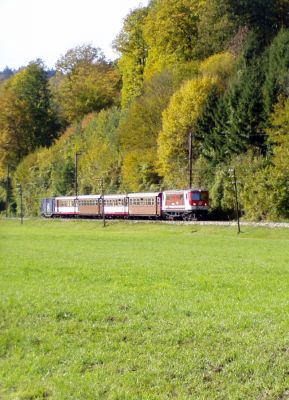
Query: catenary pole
(21,202)
(7,190)
(190,160)
(102,195)
(233,175)
(76,174)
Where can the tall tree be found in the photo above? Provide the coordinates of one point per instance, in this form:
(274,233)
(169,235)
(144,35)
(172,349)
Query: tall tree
(181,117)
(27,119)
(138,131)
(85,82)
(267,17)
(130,43)
(216,27)
(84,54)
(170,30)
(276,70)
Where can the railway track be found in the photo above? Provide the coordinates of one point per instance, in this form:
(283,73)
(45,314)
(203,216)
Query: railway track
(213,223)
(216,223)
(175,222)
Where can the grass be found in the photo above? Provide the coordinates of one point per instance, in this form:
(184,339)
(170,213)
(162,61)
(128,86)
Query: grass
(143,311)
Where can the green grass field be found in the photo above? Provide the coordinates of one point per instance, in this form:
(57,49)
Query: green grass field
(143,311)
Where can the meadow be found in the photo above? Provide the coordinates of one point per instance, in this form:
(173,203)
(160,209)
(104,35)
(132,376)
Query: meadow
(143,311)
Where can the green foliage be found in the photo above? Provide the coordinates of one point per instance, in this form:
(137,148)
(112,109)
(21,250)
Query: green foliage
(216,28)
(277,70)
(235,122)
(27,120)
(266,17)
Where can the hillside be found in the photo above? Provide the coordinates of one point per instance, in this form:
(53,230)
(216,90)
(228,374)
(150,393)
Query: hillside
(216,69)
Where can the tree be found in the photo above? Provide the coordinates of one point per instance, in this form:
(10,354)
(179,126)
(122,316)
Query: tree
(130,43)
(266,17)
(170,31)
(85,54)
(216,28)
(236,120)
(5,74)
(279,134)
(138,131)
(276,71)
(85,82)
(180,117)
(27,119)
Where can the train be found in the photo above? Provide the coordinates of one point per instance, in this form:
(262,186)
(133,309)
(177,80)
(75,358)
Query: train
(187,204)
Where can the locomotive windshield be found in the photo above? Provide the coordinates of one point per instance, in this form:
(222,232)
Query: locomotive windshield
(197,196)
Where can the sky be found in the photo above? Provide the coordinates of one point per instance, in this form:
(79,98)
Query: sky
(32,29)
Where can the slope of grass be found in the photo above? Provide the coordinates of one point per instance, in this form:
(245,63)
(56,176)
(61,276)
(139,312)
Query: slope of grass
(143,311)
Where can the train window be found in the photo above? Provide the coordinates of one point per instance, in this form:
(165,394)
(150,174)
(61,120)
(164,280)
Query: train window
(196,196)
(65,203)
(175,199)
(204,196)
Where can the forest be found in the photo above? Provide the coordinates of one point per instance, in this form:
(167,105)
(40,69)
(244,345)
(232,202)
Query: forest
(214,69)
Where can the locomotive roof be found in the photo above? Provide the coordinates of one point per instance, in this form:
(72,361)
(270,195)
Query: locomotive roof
(184,190)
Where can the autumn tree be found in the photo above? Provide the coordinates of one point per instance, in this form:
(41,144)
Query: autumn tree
(181,116)
(170,31)
(85,82)
(279,140)
(131,44)
(216,28)
(27,119)
(138,132)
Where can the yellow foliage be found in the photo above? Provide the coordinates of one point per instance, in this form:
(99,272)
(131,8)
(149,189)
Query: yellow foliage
(279,136)
(179,119)
(132,79)
(158,63)
(221,64)
(136,167)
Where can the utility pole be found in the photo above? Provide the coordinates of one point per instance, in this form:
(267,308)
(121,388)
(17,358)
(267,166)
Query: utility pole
(233,176)
(101,186)
(21,202)
(190,159)
(102,195)
(77,154)
(7,190)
